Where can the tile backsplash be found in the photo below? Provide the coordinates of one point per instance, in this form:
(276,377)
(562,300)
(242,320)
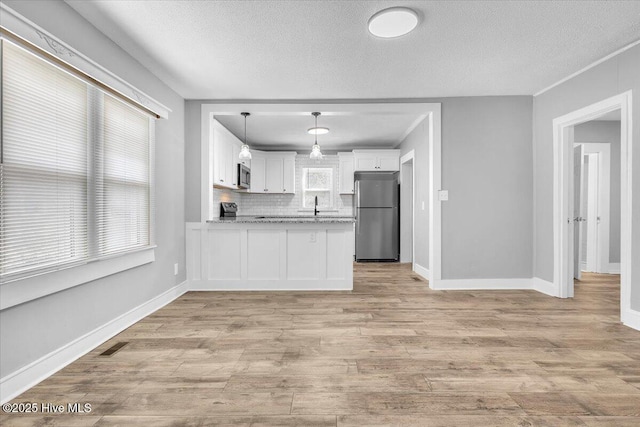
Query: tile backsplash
(287,204)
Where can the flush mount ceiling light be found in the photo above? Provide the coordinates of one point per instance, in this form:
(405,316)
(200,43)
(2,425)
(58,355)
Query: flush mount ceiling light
(317,131)
(315,150)
(393,22)
(245,154)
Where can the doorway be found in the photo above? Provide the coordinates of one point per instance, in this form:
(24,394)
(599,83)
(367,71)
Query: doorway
(565,211)
(407,201)
(599,196)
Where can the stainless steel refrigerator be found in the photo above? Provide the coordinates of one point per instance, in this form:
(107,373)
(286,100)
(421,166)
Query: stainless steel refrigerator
(377,198)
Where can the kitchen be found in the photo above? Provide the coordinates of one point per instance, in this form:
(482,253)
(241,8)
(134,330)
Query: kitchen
(295,224)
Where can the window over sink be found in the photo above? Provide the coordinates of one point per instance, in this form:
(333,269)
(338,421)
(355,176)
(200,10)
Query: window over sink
(317,182)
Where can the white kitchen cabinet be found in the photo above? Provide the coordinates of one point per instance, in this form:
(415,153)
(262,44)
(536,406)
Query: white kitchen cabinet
(289,174)
(376,160)
(226,148)
(273,175)
(346,169)
(273,172)
(258,170)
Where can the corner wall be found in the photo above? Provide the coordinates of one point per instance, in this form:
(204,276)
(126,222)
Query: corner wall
(612,77)
(37,328)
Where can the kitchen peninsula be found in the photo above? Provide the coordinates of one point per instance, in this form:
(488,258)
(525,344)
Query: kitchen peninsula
(272,253)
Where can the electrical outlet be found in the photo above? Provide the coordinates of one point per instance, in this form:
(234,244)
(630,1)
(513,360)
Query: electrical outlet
(312,237)
(176,267)
(443,195)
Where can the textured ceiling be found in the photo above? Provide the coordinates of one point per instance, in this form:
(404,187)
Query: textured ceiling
(289,132)
(322,49)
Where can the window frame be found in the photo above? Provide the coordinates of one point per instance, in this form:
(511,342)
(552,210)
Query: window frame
(330,190)
(25,285)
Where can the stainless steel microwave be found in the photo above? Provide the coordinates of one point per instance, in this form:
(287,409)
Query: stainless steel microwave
(244,176)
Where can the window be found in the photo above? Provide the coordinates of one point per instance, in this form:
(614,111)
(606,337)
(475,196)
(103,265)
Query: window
(75,171)
(317,182)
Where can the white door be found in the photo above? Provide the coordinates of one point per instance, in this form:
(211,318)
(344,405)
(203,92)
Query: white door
(591,214)
(578,170)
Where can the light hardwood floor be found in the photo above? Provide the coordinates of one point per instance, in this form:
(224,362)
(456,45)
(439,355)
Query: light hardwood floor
(392,352)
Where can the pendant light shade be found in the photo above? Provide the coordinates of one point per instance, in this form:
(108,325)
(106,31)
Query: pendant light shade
(315,150)
(245,154)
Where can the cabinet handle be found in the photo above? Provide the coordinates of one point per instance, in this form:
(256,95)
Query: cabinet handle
(284,190)
(222,180)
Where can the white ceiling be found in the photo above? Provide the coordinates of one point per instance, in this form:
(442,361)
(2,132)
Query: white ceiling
(321,50)
(346,131)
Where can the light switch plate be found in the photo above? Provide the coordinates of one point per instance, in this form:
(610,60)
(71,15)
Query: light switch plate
(175,269)
(423,205)
(443,195)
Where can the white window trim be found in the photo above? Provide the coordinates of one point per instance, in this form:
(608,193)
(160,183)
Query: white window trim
(20,290)
(39,37)
(330,190)
(33,287)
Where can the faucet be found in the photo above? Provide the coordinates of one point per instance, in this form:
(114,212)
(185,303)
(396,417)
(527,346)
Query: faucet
(315,207)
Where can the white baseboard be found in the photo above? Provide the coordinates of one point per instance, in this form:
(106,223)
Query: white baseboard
(270,285)
(421,271)
(631,318)
(21,380)
(544,287)
(482,284)
(614,268)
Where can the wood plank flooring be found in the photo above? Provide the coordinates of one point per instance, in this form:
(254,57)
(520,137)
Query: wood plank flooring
(390,353)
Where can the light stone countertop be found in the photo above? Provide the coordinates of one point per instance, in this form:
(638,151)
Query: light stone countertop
(275,219)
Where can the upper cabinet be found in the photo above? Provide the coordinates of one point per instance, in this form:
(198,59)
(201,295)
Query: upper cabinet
(346,169)
(376,160)
(226,148)
(273,172)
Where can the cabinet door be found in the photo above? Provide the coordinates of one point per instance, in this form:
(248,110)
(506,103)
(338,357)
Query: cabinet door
(289,175)
(273,175)
(218,155)
(366,162)
(258,168)
(346,176)
(388,162)
(235,152)
(228,164)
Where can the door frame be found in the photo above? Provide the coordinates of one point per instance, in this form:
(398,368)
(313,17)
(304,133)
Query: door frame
(563,185)
(409,157)
(604,199)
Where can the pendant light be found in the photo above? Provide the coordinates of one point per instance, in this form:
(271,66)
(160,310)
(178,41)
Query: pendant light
(245,154)
(315,150)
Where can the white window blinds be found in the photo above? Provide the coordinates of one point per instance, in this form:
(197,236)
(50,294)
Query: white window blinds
(75,176)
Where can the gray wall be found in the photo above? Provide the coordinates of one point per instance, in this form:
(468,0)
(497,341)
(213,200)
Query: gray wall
(32,330)
(608,132)
(612,77)
(192,160)
(487,168)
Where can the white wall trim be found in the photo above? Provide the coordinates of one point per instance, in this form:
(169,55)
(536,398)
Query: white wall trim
(17,382)
(544,286)
(481,284)
(410,157)
(631,318)
(422,271)
(588,67)
(614,268)
(39,37)
(562,185)
(29,288)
